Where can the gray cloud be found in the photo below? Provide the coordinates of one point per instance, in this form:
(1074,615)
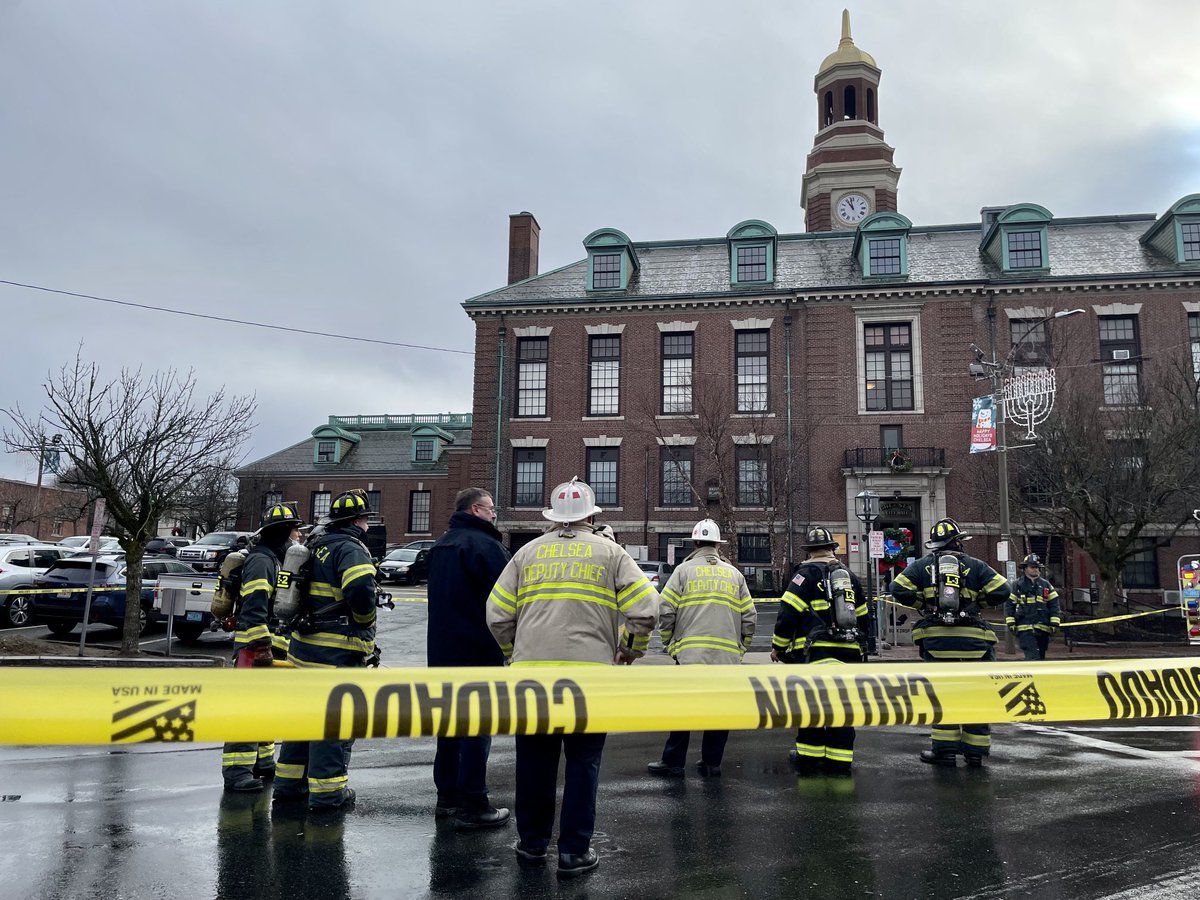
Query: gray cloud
(351,167)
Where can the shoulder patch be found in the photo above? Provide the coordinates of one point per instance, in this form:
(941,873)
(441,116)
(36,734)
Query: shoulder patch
(798,580)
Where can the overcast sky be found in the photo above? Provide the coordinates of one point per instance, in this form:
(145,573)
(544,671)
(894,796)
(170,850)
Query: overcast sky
(350,167)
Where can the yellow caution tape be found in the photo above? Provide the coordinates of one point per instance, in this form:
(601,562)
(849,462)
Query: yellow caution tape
(117,706)
(1153,612)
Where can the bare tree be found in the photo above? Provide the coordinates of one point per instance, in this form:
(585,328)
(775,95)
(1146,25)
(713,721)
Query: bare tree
(142,442)
(1115,480)
(211,503)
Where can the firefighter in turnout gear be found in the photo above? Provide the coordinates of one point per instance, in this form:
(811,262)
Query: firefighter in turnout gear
(561,600)
(243,764)
(1032,612)
(822,620)
(706,617)
(337,631)
(949,588)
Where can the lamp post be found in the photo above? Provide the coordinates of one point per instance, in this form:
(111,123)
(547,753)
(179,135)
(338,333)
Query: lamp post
(42,448)
(866,507)
(997,372)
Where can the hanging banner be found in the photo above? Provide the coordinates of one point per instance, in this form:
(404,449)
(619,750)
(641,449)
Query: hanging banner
(983,424)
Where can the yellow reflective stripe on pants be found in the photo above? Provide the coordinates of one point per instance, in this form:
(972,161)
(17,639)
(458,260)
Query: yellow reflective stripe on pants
(239,759)
(810,750)
(983,741)
(839,755)
(266,751)
(334,641)
(289,770)
(327,785)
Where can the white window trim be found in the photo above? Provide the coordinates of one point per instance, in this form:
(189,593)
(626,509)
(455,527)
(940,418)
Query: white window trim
(529,442)
(604,329)
(753,439)
(751,324)
(676,440)
(603,441)
(876,316)
(1118,309)
(1030,312)
(677,326)
(1192,306)
(529,331)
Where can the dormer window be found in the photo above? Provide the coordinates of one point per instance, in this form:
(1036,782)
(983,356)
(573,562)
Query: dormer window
(1176,235)
(423,451)
(332,442)
(1016,240)
(427,443)
(326,451)
(881,245)
(752,252)
(612,261)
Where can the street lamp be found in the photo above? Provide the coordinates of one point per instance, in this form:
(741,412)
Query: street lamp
(42,450)
(866,507)
(998,372)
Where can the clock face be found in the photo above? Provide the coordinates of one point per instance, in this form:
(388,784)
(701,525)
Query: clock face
(853,208)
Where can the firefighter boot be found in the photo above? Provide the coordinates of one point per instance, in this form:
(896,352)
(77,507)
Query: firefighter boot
(939,759)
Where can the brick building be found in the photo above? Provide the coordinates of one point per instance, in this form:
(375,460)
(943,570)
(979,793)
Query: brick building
(411,466)
(765,378)
(43,511)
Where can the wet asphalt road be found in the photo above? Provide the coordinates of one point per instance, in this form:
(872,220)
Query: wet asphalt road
(1095,810)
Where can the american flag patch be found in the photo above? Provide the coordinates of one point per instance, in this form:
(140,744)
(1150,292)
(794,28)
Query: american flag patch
(798,580)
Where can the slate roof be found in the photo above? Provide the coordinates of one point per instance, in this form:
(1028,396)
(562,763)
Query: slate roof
(1085,248)
(378,452)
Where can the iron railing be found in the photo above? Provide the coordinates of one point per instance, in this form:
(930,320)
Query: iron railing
(886,458)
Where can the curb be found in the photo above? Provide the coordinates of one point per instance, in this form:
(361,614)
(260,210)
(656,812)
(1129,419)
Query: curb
(114,662)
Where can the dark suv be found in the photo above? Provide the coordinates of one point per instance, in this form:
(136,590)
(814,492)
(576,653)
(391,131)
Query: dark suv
(207,553)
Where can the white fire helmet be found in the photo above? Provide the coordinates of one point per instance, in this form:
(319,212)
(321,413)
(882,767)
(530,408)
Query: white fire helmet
(707,530)
(572,501)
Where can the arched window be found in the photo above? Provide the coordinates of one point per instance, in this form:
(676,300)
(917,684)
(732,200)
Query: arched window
(849,107)
(828,108)
(870,105)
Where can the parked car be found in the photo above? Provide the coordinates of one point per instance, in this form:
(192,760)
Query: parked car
(62,591)
(405,565)
(18,539)
(207,553)
(418,545)
(656,571)
(166,546)
(79,541)
(16,574)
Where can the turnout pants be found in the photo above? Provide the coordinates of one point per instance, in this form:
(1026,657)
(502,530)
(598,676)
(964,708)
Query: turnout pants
(712,747)
(460,770)
(833,744)
(1033,643)
(243,759)
(969,740)
(537,778)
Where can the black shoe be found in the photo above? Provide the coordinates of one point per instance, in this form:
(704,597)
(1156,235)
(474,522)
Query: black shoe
(267,773)
(935,758)
(974,761)
(486,817)
(661,768)
(804,765)
(347,801)
(573,864)
(709,771)
(446,806)
(529,856)
(247,784)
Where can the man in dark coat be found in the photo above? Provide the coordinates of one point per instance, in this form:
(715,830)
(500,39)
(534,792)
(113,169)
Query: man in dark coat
(463,565)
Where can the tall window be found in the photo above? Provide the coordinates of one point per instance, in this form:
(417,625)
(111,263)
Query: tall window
(56,527)
(424,450)
(1120,352)
(532,357)
(602,474)
(271,498)
(1025,249)
(891,437)
(754,548)
(751,352)
(1030,346)
(752,263)
(677,372)
(529,468)
(1194,337)
(889,368)
(604,375)
(676,467)
(418,512)
(885,256)
(753,475)
(1141,569)
(326,451)
(606,270)
(1191,239)
(320,505)
(374,501)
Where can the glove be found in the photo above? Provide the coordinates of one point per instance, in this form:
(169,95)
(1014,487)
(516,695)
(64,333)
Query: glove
(625,656)
(256,657)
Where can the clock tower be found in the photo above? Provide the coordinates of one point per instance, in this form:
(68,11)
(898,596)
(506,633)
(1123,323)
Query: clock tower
(850,173)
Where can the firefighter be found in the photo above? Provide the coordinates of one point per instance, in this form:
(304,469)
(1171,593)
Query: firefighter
(338,631)
(706,617)
(822,621)
(950,589)
(245,765)
(561,600)
(1032,612)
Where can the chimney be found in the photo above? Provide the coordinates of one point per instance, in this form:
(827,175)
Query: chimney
(523,231)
